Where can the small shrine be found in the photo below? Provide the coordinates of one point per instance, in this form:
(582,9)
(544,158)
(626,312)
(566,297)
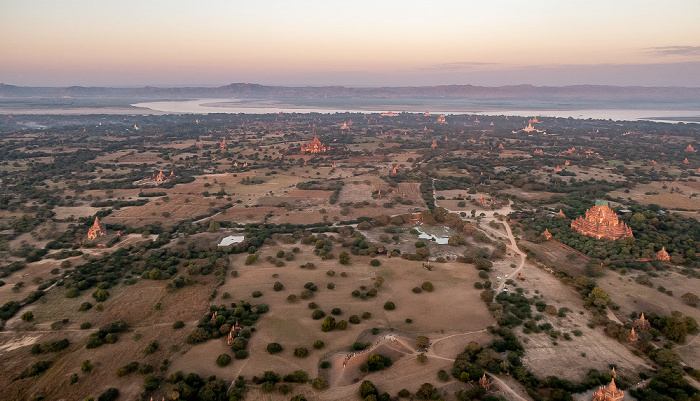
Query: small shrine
(223,144)
(663,255)
(485,383)
(642,323)
(546,234)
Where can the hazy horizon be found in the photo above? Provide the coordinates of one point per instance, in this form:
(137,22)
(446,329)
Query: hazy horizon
(364,43)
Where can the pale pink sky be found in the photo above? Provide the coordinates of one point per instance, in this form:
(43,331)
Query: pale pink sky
(213,42)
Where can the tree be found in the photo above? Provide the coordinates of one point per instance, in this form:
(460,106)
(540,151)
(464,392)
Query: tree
(422,342)
(86,366)
(274,348)
(214,226)
(598,297)
(223,360)
(344,258)
(278,286)
(367,388)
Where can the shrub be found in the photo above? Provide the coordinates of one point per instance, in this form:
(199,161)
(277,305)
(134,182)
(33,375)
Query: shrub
(100,295)
(86,366)
(354,319)
(110,394)
(301,352)
(356,293)
(250,259)
(341,325)
(241,354)
(404,393)
(223,360)
(417,290)
(319,384)
(324,365)
(151,347)
(257,294)
(318,344)
(366,315)
(427,286)
(312,305)
(85,306)
(150,382)
(328,324)
(73,378)
(389,306)
(85,325)
(274,348)
(292,298)
(336,311)
(375,262)
(318,314)
(27,316)
(278,286)
(178,325)
(330,286)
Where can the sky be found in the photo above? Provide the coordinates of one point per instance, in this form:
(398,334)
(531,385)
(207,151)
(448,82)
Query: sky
(351,43)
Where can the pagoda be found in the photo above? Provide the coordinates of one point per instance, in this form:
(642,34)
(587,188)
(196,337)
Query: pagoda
(663,255)
(484,202)
(96,231)
(546,234)
(427,113)
(344,126)
(560,214)
(609,393)
(160,177)
(690,148)
(642,323)
(485,383)
(601,222)
(434,144)
(315,146)
(633,336)
(441,119)
(223,144)
(529,128)
(539,152)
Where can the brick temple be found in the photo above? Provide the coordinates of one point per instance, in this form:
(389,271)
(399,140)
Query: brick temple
(602,223)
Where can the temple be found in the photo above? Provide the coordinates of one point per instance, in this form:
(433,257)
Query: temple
(529,128)
(560,214)
(96,231)
(315,146)
(434,144)
(539,152)
(601,222)
(484,202)
(441,119)
(663,255)
(546,234)
(609,393)
(223,144)
(690,148)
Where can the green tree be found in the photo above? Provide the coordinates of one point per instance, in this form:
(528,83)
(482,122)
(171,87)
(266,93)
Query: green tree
(597,297)
(214,226)
(344,258)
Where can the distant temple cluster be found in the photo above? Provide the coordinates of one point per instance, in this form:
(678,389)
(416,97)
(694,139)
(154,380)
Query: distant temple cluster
(160,177)
(484,202)
(315,146)
(97,230)
(601,222)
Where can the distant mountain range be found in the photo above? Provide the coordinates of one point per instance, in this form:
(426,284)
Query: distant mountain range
(255,91)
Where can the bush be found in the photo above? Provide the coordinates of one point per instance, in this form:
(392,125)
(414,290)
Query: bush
(110,394)
(374,262)
(85,306)
(274,348)
(366,315)
(404,393)
(389,306)
(27,316)
(257,294)
(301,352)
(319,384)
(354,319)
(85,325)
(318,344)
(312,305)
(318,314)
(417,290)
(278,286)
(341,325)
(178,325)
(86,366)
(336,311)
(241,354)
(330,286)
(427,286)
(100,295)
(151,347)
(223,360)
(328,324)
(73,378)
(250,259)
